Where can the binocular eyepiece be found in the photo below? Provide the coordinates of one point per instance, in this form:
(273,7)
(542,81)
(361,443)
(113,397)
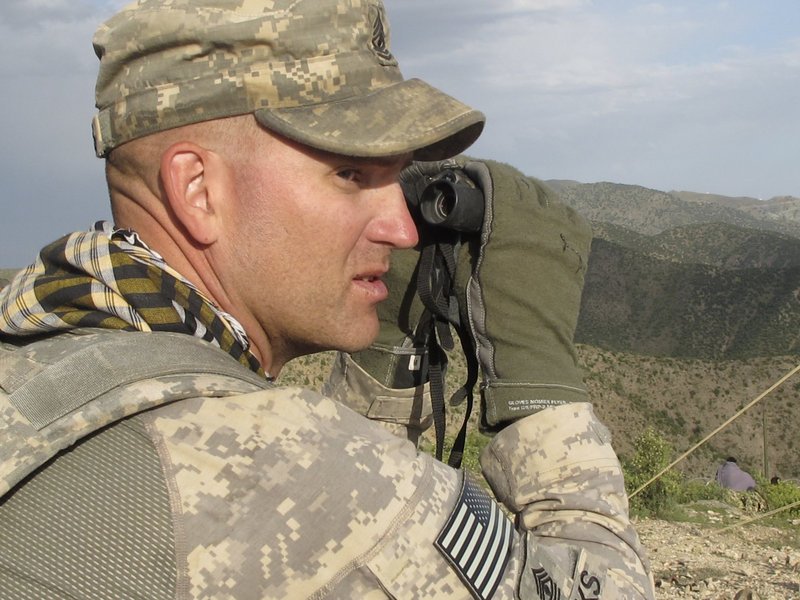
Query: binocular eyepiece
(452,200)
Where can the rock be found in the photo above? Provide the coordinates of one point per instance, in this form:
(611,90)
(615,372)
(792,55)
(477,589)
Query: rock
(699,562)
(792,559)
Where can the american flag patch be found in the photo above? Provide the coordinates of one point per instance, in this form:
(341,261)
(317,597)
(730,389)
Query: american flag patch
(477,540)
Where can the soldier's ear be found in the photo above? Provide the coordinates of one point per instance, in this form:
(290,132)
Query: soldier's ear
(187,174)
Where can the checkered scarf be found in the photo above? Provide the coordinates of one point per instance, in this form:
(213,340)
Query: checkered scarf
(109,278)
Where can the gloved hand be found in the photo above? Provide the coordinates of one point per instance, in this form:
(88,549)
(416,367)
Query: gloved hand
(519,280)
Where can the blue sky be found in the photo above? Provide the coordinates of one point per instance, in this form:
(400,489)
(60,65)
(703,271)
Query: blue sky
(687,95)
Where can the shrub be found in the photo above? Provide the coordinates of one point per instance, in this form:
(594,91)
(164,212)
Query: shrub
(781,494)
(651,455)
(695,491)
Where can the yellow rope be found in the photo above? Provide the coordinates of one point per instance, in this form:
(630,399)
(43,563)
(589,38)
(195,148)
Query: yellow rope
(718,429)
(767,514)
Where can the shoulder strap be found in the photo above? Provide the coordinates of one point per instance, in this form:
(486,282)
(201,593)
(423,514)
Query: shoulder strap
(121,360)
(52,406)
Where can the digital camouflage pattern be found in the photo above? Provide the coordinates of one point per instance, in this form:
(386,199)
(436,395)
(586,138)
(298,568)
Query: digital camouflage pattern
(273,493)
(579,538)
(286,493)
(293,522)
(317,71)
(61,389)
(255,492)
(405,412)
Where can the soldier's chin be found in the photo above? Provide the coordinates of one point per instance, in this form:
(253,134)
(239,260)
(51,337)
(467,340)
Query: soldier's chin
(367,334)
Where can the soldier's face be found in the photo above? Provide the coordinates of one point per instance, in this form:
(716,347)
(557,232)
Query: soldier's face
(315,232)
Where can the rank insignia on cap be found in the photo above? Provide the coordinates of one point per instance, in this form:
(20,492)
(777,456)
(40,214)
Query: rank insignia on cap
(477,540)
(379,45)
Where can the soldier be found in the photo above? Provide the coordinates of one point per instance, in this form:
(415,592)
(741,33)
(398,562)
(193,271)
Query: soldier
(254,151)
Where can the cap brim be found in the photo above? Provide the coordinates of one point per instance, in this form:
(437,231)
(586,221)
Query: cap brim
(408,116)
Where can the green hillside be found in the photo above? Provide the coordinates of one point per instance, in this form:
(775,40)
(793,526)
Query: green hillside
(689,275)
(633,302)
(714,244)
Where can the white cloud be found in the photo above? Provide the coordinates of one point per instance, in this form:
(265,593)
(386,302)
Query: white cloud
(33,14)
(536,5)
(653,94)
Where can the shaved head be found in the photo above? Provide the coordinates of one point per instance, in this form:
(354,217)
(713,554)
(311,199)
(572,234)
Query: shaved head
(141,157)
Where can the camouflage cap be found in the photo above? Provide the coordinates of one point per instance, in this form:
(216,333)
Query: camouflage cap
(316,71)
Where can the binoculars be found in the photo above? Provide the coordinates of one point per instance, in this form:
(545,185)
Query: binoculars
(451,200)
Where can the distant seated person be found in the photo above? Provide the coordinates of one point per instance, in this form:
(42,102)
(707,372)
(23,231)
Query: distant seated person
(731,476)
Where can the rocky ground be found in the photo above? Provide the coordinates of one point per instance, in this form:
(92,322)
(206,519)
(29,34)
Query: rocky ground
(699,560)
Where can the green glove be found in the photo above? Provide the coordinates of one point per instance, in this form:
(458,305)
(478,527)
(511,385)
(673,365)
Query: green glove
(523,295)
(519,281)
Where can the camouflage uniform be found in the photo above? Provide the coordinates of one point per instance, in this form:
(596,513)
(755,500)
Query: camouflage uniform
(210,482)
(285,493)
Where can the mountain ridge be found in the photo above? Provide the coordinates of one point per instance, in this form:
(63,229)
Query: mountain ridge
(688,275)
(625,205)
